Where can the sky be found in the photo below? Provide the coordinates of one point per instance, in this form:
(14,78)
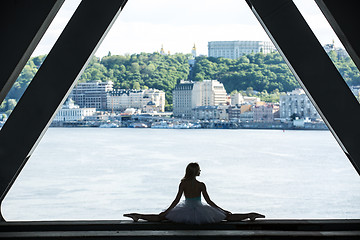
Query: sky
(146,26)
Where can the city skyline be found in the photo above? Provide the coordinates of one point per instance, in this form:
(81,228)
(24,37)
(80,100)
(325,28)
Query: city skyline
(145,26)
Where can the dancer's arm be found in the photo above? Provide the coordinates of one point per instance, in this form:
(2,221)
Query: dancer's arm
(208,200)
(176,200)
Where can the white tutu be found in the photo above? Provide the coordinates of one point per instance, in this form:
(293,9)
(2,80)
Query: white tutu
(192,211)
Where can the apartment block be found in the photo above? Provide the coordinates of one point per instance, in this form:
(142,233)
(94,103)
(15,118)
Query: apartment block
(296,103)
(91,94)
(147,100)
(265,113)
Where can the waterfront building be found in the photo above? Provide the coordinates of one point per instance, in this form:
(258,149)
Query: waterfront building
(152,100)
(208,93)
(151,107)
(236,99)
(91,94)
(72,112)
(223,112)
(182,99)
(238,112)
(188,95)
(265,113)
(296,103)
(246,116)
(235,49)
(206,113)
(234,112)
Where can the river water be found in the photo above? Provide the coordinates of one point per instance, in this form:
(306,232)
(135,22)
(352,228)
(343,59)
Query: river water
(97,173)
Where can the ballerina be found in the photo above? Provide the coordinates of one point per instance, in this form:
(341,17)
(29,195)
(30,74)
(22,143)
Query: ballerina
(192,210)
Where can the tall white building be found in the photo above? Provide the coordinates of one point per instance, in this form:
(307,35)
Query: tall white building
(296,102)
(208,93)
(72,112)
(236,99)
(189,95)
(121,99)
(235,49)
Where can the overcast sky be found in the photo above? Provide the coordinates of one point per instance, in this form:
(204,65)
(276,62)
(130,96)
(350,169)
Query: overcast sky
(144,26)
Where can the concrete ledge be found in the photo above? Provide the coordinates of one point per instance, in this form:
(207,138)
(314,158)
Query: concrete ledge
(273,224)
(198,234)
(112,229)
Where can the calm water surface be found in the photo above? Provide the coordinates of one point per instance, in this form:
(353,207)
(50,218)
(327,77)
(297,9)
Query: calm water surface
(94,173)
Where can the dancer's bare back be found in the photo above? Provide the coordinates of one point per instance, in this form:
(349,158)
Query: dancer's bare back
(192,188)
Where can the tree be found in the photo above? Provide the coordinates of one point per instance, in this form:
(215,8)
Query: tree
(3,117)
(135,67)
(149,69)
(3,106)
(333,56)
(276,92)
(136,86)
(39,60)
(8,112)
(11,103)
(249,91)
(243,59)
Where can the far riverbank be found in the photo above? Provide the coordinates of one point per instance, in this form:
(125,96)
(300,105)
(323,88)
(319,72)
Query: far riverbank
(187,124)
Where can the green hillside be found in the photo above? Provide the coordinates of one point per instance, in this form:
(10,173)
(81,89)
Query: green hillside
(262,74)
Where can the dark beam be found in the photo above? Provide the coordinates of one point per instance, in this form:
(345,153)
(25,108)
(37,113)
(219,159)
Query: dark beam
(22,24)
(314,70)
(343,17)
(52,84)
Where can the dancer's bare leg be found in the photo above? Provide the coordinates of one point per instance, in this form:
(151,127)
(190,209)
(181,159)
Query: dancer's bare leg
(148,217)
(242,216)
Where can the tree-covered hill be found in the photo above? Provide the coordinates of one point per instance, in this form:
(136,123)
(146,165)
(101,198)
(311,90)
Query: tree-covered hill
(261,72)
(258,71)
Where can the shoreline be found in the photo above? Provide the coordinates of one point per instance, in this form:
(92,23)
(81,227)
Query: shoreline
(204,125)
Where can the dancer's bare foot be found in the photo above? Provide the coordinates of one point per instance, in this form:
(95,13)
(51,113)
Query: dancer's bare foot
(134,216)
(253,216)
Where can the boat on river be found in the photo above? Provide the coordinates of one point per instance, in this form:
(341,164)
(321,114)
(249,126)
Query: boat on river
(109,125)
(138,125)
(162,125)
